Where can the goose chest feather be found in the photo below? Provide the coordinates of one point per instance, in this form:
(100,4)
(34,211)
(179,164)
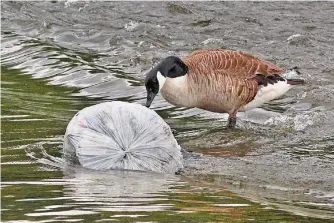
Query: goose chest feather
(217,80)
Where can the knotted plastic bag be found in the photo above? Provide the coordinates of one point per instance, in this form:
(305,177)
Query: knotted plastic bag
(123,136)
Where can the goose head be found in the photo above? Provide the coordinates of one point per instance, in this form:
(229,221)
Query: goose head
(170,67)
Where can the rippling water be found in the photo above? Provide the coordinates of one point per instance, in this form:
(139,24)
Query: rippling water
(80,53)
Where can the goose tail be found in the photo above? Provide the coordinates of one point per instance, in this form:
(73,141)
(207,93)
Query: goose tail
(292,76)
(295,81)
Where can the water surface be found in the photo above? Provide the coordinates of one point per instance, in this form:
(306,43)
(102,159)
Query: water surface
(61,56)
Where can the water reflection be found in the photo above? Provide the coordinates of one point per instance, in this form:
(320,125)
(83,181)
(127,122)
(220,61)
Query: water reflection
(119,190)
(280,196)
(87,192)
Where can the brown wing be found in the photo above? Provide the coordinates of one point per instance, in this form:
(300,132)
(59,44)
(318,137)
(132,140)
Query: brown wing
(234,91)
(234,63)
(240,91)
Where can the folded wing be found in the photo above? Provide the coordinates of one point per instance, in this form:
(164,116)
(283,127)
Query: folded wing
(233,63)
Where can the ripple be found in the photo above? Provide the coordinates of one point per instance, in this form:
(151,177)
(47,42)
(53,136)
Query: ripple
(61,213)
(104,56)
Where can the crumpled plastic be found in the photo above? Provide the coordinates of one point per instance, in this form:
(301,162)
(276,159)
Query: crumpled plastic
(122,136)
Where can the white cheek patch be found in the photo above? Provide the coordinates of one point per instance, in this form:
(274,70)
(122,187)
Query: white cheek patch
(161,80)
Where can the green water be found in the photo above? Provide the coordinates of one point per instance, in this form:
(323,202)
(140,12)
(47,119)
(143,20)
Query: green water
(34,118)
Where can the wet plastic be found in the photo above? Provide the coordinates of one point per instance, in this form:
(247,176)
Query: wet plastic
(123,136)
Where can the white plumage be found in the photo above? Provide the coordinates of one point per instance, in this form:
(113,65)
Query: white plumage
(268,93)
(161,80)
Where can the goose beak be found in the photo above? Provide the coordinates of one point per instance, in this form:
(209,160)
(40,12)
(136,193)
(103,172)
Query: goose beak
(150,97)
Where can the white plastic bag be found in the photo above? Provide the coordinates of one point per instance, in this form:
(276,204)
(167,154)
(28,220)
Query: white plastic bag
(120,135)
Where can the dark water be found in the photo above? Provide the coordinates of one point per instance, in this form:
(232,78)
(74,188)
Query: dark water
(59,57)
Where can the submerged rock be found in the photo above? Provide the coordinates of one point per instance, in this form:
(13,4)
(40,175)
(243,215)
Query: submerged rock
(122,136)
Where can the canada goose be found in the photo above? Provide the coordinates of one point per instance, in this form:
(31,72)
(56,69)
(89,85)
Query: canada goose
(217,80)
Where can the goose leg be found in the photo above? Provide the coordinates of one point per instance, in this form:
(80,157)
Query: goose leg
(232,120)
